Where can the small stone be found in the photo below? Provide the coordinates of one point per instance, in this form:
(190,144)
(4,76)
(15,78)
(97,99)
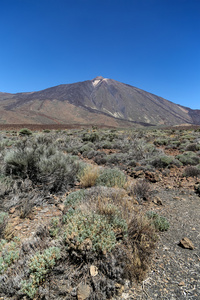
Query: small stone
(83,291)
(73,292)
(12,210)
(186,243)
(125,296)
(157,201)
(61,207)
(93,270)
(182,283)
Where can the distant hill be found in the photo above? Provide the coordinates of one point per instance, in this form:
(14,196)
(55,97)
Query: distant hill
(100,101)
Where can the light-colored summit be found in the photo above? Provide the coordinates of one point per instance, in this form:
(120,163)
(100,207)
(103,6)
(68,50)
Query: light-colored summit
(96,80)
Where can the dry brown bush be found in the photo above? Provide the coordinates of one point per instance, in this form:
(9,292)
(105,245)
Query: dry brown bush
(142,189)
(89,176)
(142,241)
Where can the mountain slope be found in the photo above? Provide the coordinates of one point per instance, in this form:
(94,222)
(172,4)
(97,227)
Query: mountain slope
(97,101)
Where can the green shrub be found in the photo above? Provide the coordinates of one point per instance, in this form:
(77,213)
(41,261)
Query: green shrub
(46,130)
(161,142)
(160,223)
(9,254)
(74,198)
(164,162)
(54,226)
(111,178)
(188,158)
(25,131)
(42,164)
(93,137)
(106,145)
(39,267)
(97,229)
(85,148)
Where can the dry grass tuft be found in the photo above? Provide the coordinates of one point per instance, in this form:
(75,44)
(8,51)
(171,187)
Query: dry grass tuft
(89,176)
(142,240)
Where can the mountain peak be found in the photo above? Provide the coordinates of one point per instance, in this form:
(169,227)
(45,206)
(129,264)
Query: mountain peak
(98,78)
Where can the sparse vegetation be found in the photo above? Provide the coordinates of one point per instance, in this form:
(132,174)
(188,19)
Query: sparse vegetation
(89,198)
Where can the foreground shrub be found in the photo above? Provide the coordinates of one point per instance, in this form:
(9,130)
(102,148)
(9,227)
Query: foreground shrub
(39,266)
(9,254)
(88,230)
(111,178)
(41,164)
(142,238)
(160,223)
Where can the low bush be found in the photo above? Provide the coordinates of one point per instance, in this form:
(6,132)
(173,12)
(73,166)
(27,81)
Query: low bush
(192,147)
(111,178)
(9,254)
(188,158)
(88,176)
(25,131)
(142,238)
(90,137)
(42,164)
(191,171)
(160,223)
(39,266)
(142,189)
(88,231)
(74,198)
(100,159)
(54,226)
(160,142)
(165,161)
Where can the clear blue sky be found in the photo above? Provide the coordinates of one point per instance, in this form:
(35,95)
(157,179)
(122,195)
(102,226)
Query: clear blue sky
(151,44)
